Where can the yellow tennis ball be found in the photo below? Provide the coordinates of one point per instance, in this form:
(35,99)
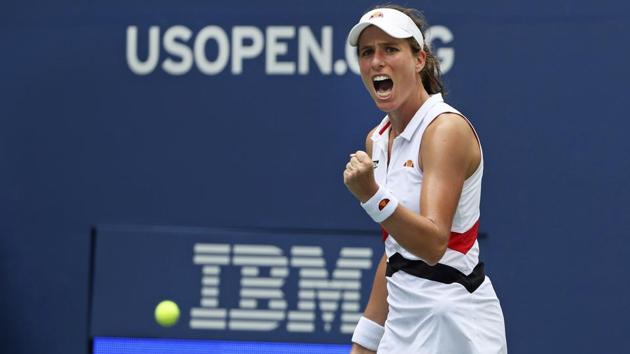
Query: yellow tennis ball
(166,313)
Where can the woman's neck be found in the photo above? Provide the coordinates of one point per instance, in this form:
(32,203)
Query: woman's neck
(403,115)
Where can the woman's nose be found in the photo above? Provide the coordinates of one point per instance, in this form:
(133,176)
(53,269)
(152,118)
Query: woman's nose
(378,60)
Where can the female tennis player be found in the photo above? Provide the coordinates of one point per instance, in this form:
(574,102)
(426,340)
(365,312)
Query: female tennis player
(420,178)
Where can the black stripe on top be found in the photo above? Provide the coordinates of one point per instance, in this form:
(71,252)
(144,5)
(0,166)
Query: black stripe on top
(439,272)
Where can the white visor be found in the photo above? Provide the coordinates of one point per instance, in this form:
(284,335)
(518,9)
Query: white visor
(393,22)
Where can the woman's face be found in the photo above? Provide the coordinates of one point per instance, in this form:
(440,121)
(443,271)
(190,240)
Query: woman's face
(389,70)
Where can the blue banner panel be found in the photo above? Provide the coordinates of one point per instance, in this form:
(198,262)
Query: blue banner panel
(104,345)
(251,285)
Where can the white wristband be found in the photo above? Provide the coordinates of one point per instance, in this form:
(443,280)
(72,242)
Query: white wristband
(381,205)
(368,334)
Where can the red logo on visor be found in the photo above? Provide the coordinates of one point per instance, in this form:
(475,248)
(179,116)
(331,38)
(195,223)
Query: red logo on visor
(376,14)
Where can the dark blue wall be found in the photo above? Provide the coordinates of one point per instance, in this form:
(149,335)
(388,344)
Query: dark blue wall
(85,141)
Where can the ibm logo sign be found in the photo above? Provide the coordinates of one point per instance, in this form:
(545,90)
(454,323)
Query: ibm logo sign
(264,271)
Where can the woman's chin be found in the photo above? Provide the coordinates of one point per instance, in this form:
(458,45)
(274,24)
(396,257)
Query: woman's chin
(384,102)
(384,105)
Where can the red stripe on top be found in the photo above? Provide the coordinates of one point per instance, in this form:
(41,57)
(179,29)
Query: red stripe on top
(463,242)
(384,234)
(384,128)
(460,242)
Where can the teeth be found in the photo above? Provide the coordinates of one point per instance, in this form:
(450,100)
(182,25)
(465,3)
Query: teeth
(380,78)
(383,94)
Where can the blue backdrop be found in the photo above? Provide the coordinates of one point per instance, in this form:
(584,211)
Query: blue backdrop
(229,129)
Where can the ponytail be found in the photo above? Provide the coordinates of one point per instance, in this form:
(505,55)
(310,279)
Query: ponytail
(431,75)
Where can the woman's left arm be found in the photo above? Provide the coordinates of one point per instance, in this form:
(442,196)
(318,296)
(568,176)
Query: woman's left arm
(449,154)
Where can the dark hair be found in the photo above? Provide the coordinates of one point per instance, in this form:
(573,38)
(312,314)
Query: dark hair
(431,75)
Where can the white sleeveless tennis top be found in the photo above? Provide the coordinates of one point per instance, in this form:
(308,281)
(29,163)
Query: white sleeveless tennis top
(402,176)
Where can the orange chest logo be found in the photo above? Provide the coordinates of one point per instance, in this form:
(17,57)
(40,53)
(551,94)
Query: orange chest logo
(408,163)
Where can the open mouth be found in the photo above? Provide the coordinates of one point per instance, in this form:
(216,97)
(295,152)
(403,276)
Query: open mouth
(383,85)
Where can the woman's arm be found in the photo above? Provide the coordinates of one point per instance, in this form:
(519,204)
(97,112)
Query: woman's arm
(448,156)
(376,309)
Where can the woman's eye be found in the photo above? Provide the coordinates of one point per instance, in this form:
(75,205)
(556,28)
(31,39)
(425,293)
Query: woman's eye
(391,49)
(366,52)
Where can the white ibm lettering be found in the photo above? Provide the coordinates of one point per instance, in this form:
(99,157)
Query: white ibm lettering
(336,293)
(185,49)
(316,287)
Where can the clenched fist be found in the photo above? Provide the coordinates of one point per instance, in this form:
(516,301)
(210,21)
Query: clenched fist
(359,176)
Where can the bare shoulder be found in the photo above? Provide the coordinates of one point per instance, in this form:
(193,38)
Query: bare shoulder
(450,137)
(449,124)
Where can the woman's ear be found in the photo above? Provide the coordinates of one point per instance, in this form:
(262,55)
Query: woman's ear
(421,60)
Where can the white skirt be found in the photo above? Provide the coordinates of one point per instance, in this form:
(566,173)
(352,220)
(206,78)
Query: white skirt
(435,318)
